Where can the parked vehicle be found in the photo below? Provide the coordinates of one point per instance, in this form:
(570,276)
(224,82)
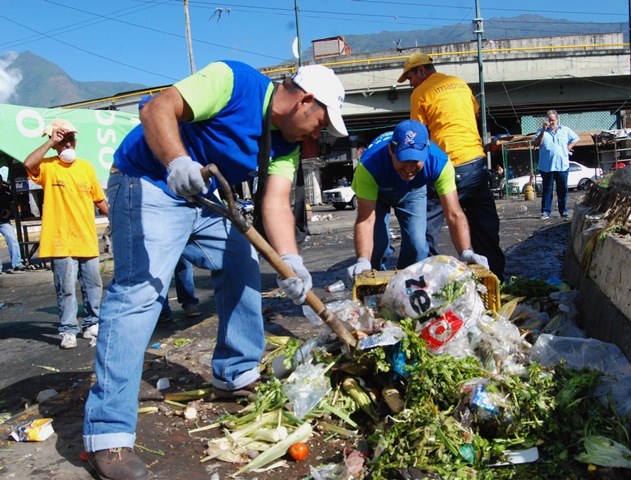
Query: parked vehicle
(340,197)
(578,177)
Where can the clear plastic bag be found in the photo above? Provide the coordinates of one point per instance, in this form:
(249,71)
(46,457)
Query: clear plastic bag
(389,335)
(618,388)
(498,345)
(306,387)
(331,471)
(350,311)
(579,353)
(562,326)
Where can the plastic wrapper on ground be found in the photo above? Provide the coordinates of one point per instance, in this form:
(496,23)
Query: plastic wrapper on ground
(33,431)
(306,387)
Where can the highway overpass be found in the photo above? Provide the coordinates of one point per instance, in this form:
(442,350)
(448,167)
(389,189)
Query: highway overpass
(522,77)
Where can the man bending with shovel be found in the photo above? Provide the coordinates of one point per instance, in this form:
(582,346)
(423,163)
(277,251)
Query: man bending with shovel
(233,116)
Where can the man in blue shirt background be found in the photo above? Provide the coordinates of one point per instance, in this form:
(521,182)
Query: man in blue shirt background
(555,144)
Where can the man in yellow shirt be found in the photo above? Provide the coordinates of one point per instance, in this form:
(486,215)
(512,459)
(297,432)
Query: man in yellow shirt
(448,108)
(71,190)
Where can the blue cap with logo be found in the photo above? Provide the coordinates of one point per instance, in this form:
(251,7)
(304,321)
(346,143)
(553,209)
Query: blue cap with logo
(411,141)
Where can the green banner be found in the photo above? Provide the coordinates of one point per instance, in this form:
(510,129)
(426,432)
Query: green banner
(100,132)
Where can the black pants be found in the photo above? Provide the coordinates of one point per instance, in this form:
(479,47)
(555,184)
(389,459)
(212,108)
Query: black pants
(476,199)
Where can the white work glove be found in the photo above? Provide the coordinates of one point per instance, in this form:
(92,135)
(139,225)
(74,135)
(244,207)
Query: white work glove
(185,177)
(468,256)
(362,265)
(295,288)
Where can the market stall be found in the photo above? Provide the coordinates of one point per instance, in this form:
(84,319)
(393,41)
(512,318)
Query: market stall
(613,149)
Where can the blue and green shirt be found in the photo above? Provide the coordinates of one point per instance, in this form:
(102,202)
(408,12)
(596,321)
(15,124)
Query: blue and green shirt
(375,173)
(229,100)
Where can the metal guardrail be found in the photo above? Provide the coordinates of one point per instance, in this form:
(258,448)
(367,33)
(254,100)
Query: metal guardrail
(547,48)
(368,61)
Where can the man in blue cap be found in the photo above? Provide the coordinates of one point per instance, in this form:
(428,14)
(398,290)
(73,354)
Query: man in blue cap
(393,174)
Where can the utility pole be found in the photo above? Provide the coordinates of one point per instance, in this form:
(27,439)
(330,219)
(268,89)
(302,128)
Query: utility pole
(189,41)
(479,30)
(298,33)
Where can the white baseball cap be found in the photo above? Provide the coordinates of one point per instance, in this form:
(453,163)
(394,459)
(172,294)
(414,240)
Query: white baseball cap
(328,90)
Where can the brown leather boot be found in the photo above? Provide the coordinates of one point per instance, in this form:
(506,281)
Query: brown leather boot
(118,464)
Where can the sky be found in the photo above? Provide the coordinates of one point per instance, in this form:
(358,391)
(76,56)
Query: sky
(144,41)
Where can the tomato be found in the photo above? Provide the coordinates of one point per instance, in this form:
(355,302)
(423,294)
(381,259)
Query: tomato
(298,451)
(84,456)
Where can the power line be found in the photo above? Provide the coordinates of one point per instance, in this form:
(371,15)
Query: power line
(66,29)
(164,32)
(84,50)
(105,18)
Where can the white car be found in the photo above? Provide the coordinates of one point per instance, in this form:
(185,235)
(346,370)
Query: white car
(578,177)
(340,197)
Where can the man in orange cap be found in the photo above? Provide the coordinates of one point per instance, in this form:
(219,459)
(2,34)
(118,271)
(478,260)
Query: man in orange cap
(71,190)
(446,105)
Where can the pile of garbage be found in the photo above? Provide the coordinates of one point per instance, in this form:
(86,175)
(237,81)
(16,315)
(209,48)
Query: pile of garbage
(441,387)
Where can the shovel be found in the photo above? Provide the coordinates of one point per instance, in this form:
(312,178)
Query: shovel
(265,249)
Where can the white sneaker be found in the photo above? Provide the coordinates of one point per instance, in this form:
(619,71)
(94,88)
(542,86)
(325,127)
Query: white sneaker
(91,332)
(68,340)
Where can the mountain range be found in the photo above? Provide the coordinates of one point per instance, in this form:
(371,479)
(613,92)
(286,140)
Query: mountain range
(522,26)
(40,83)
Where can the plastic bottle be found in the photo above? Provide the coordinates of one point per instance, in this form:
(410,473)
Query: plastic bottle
(336,287)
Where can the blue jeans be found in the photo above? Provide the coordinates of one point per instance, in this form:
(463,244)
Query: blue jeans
(410,211)
(184,285)
(150,230)
(547,180)
(8,232)
(476,199)
(66,271)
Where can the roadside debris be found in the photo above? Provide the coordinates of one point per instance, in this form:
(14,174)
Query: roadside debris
(46,394)
(34,431)
(438,386)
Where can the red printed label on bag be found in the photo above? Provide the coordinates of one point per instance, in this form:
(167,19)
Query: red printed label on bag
(441,330)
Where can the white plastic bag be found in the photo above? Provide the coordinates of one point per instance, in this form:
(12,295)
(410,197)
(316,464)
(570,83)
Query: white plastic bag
(417,289)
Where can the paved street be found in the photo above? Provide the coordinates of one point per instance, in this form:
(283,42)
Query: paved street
(31,360)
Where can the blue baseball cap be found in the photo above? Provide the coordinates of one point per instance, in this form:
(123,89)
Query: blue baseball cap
(411,141)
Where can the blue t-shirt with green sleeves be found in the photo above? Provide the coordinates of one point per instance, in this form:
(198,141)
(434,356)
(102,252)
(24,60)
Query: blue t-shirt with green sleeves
(375,173)
(228,100)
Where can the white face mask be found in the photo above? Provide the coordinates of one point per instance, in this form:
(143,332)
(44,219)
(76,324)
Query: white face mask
(68,155)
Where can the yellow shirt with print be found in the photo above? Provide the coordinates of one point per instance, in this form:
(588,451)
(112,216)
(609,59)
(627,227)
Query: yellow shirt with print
(448,108)
(70,191)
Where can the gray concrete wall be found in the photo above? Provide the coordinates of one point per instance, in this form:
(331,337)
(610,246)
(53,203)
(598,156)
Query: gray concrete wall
(605,284)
